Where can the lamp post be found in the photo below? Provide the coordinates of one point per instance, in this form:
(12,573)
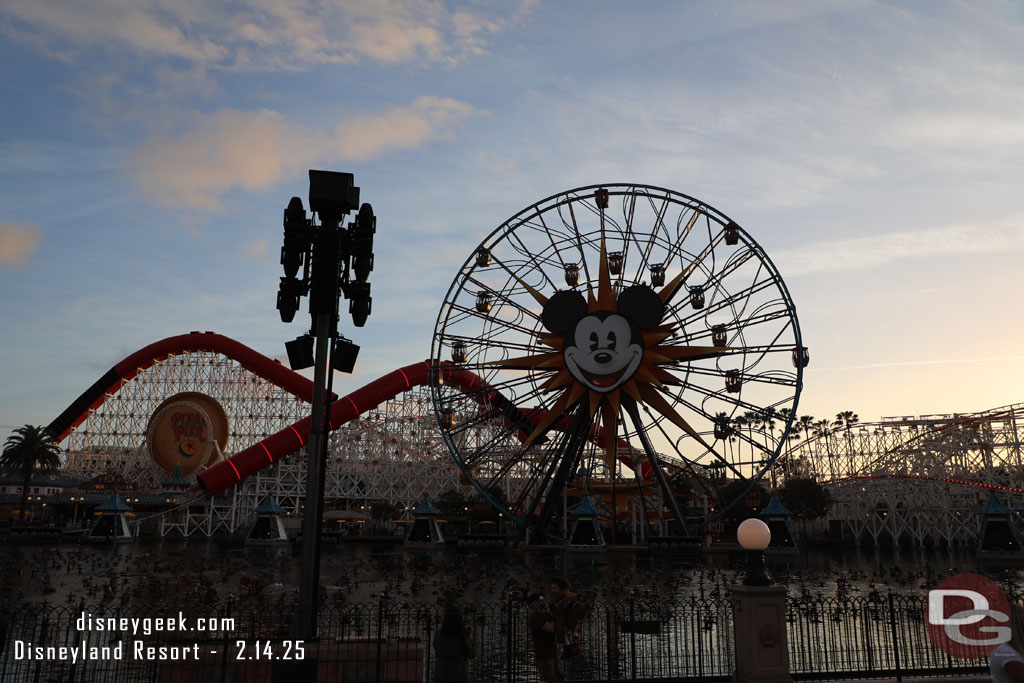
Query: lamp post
(754,536)
(334,261)
(759,614)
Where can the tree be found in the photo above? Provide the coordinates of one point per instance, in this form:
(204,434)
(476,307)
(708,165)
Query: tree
(846,419)
(452,502)
(723,426)
(767,417)
(792,436)
(740,511)
(28,449)
(805,498)
(806,423)
(749,421)
(384,511)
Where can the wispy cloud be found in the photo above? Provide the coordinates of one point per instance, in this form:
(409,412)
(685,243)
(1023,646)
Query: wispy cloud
(875,251)
(255,34)
(253,150)
(18,243)
(258,250)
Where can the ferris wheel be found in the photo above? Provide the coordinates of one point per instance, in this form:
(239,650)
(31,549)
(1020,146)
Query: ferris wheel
(606,342)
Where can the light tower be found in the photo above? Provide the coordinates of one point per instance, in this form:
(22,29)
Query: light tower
(334,261)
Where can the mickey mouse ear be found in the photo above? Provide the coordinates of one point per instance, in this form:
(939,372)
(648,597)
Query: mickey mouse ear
(563,309)
(642,305)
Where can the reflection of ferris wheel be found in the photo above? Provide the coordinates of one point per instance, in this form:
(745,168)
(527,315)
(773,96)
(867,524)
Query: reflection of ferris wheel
(605,341)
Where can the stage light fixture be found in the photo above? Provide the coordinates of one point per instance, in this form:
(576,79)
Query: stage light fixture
(300,352)
(288,297)
(361,243)
(360,302)
(332,194)
(343,359)
(296,237)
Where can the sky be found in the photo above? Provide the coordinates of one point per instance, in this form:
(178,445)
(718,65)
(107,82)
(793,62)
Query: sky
(148,148)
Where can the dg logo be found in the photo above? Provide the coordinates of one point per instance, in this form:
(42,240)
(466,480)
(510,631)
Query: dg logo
(968,616)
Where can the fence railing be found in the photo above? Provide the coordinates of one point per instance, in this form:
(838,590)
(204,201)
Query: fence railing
(865,636)
(386,640)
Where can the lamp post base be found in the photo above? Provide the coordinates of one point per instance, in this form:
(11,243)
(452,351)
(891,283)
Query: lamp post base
(759,634)
(757,574)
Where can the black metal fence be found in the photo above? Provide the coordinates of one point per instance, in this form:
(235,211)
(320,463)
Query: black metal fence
(866,636)
(391,641)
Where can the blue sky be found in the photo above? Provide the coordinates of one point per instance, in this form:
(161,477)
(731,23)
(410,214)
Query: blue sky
(148,147)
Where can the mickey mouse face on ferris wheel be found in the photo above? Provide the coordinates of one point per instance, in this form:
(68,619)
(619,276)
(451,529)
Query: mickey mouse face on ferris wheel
(603,349)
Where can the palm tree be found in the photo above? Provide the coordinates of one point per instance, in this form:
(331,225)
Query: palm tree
(806,423)
(784,414)
(845,420)
(767,417)
(29,448)
(823,428)
(723,425)
(746,421)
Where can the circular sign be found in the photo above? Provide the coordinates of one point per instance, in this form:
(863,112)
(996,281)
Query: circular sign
(967,616)
(183,430)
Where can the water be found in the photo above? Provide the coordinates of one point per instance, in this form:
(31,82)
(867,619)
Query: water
(206,571)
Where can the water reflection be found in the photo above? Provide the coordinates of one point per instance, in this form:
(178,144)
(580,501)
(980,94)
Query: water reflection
(210,571)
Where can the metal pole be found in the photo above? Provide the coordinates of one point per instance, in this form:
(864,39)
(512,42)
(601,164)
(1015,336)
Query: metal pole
(509,626)
(652,457)
(632,637)
(895,638)
(380,637)
(224,649)
(309,575)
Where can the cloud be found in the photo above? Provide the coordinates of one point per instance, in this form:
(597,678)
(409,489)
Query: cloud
(261,34)
(18,243)
(233,149)
(861,253)
(258,250)
(128,24)
(428,118)
(227,149)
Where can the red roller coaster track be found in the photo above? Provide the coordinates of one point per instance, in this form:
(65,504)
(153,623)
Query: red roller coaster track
(127,369)
(264,453)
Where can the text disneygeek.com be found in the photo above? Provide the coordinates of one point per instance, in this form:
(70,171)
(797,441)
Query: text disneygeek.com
(107,629)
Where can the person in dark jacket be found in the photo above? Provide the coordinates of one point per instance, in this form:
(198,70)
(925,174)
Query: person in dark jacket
(453,645)
(545,647)
(567,611)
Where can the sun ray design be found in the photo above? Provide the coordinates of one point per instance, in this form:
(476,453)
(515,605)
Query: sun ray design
(602,308)
(558,410)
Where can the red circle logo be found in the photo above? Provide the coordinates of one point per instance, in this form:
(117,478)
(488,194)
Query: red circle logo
(967,616)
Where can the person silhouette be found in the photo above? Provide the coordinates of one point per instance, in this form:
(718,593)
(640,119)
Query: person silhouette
(453,645)
(545,646)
